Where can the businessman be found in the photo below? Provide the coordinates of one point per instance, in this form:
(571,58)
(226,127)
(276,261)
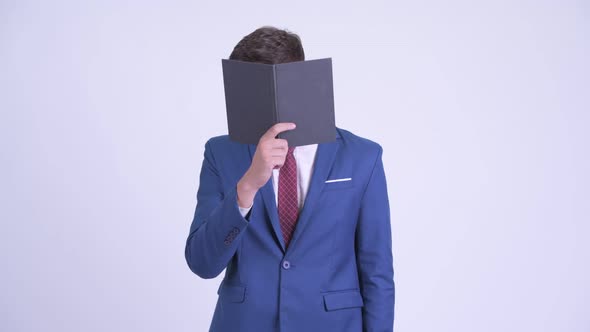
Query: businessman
(303,233)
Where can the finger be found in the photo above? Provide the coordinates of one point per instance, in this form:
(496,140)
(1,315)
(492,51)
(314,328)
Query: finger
(278,162)
(279,150)
(278,128)
(278,153)
(280,143)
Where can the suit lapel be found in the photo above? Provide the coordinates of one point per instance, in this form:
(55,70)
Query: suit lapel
(325,156)
(268,197)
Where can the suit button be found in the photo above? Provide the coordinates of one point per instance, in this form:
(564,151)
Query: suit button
(286,265)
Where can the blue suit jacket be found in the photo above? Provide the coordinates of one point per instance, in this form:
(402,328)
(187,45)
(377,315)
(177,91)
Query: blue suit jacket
(336,274)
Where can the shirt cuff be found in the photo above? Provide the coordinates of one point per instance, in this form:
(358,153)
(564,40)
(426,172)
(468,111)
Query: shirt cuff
(244,211)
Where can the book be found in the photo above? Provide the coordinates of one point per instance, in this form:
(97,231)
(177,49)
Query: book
(258,95)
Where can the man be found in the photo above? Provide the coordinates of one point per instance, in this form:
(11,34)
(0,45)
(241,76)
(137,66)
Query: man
(303,233)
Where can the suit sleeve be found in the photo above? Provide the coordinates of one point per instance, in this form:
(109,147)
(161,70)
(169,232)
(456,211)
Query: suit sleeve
(217,226)
(374,253)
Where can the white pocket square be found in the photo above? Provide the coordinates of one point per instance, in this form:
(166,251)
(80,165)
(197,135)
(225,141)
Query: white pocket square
(338,180)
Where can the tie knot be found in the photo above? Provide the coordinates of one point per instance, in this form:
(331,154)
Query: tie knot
(290,150)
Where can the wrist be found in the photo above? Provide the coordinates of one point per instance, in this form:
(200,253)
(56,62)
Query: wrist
(246,193)
(245,185)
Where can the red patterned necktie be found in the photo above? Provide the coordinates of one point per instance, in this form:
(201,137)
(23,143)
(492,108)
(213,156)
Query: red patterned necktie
(287,201)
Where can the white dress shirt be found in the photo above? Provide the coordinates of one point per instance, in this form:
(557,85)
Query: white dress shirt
(304,157)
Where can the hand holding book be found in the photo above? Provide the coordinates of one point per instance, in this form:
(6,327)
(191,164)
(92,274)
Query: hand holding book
(270,154)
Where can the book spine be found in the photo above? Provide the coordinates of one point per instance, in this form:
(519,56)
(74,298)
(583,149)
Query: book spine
(274,93)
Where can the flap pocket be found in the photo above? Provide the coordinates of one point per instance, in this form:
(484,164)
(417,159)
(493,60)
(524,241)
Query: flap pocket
(343,299)
(232,293)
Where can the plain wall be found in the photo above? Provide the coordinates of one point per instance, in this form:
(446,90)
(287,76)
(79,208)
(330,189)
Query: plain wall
(482,108)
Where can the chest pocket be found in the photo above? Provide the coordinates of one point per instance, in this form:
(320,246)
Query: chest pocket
(344,184)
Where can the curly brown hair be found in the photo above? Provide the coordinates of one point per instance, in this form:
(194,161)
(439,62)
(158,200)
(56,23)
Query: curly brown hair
(269,45)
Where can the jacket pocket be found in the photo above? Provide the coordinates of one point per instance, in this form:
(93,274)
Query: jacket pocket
(231,293)
(338,185)
(343,299)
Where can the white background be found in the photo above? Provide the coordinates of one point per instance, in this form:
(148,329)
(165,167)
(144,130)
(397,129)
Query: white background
(482,109)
